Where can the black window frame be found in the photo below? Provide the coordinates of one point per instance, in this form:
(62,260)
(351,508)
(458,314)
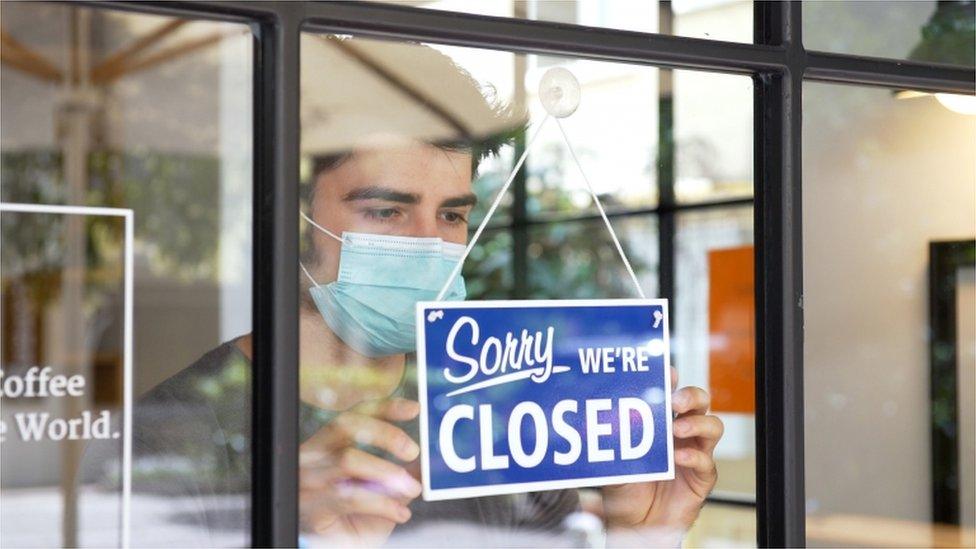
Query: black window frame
(946,258)
(778,64)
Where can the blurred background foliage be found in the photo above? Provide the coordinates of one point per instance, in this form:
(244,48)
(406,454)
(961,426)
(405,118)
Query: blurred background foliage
(565,259)
(176,195)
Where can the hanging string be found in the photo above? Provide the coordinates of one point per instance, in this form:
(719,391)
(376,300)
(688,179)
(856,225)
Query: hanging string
(599,206)
(504,189)
(491,210)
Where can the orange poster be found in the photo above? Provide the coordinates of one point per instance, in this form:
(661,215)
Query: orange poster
(732,330)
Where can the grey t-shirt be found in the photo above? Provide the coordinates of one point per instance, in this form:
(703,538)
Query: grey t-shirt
(195,429)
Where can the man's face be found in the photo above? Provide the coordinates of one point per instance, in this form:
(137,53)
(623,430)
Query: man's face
(413,190)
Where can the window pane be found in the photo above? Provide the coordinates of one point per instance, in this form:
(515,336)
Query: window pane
(714,335)
(161,131)
(722,525)
(624,169)
(488,271)
(714,330)
(712,129)
(883,179)
(729,20)
(397,138)
(925,31)
(577,260)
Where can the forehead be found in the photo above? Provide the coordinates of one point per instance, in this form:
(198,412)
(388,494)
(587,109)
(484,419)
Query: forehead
(414,167)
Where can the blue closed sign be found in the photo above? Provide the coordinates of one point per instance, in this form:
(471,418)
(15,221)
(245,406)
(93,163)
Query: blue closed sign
(520,396)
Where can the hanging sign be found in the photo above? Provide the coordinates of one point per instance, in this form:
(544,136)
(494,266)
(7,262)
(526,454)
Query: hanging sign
(519,396)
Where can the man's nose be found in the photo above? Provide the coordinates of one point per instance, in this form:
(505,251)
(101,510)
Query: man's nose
(425,226)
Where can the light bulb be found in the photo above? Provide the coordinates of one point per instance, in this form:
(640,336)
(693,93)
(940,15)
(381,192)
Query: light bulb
(962,104)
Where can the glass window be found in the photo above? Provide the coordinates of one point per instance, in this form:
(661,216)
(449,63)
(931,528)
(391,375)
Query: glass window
(112,122)
(885,180)
(924,31)
(125,271)
(402,147)
(714,347)
(625,174)
(712,136)
(728,20)
(724,525)
(577,259)
(714,331)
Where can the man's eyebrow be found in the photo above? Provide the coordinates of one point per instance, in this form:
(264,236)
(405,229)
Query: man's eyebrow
(381,193)
(469,199)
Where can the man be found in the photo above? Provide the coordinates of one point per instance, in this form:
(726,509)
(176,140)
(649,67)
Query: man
(420,190)
(359,471)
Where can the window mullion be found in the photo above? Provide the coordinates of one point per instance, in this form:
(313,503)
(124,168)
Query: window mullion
(780,486)
(274,450)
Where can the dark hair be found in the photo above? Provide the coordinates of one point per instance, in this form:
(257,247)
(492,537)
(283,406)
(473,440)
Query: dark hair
(480,149)
(505,122)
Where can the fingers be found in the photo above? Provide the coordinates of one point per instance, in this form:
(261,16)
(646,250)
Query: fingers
(358,500)
(690,400)
(393,409)
(674,378)
(707,429)
(356,483)
(367,430)
(339,479)
(378,473)
(697,460)
(394,479)
(352,498)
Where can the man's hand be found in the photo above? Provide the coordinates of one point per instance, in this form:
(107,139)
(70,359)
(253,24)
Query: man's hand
(349,495)
(673,504)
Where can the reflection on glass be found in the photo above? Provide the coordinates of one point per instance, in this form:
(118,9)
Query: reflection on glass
(924,31)
(617,101)
(714,334)
(722,525)
(148,114)
(488,270)
(712,132)
(884,178)
(729,20)
(402,160)
(577,260)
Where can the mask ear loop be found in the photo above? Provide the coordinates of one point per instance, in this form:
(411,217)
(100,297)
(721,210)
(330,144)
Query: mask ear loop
(304,270)
(491,211)
(320,227)
(324,230)
(504,189)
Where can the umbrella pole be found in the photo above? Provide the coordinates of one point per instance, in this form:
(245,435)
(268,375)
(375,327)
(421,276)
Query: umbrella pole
(75,118)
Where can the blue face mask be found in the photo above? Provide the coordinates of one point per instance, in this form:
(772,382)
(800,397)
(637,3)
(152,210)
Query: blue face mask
(371,305)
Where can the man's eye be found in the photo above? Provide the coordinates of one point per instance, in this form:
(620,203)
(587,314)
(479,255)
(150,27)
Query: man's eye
(454,217)
(382,214)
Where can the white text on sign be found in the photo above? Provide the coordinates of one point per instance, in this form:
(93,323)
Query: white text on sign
(530,355)
(595,430)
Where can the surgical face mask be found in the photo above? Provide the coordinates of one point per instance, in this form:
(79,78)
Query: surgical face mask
(371,305)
